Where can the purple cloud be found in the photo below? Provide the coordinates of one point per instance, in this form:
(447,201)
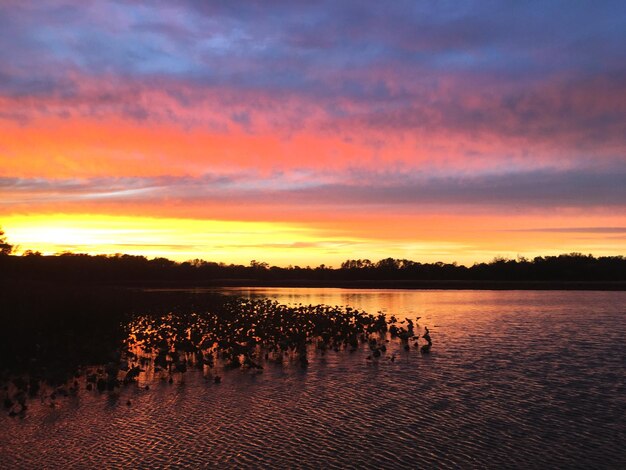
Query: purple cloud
(544,189)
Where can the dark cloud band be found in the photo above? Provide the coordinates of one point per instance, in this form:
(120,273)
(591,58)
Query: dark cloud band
(537,189)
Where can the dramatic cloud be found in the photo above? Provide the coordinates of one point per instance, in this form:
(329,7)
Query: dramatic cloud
(305,110)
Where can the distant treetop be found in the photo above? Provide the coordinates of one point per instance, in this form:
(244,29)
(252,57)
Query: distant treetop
(5,247)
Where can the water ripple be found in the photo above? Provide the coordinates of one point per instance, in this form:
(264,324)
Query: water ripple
(522,380)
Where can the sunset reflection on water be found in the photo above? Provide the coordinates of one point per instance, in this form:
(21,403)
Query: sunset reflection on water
(516,378)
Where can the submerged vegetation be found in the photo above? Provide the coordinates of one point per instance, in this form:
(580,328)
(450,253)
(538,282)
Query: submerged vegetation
(58,342)
(246,333)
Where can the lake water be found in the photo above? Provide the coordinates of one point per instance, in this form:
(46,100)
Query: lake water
(522,379)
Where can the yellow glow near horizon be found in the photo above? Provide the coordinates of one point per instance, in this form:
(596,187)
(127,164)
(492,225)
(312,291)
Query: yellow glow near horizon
(213,240)
(278,243)
(178,239)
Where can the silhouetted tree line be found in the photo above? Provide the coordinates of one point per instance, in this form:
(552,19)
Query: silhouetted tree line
(128,268)
(5,247)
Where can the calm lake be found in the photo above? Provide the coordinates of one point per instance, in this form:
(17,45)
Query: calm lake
(522,379)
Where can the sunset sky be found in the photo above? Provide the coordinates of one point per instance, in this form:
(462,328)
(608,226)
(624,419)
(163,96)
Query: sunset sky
(304,133)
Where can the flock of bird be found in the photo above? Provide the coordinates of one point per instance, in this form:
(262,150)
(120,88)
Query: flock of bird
(244,333)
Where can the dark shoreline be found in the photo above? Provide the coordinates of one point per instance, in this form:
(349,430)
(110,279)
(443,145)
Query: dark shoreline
(564,272)
(97,287)
(387,284)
